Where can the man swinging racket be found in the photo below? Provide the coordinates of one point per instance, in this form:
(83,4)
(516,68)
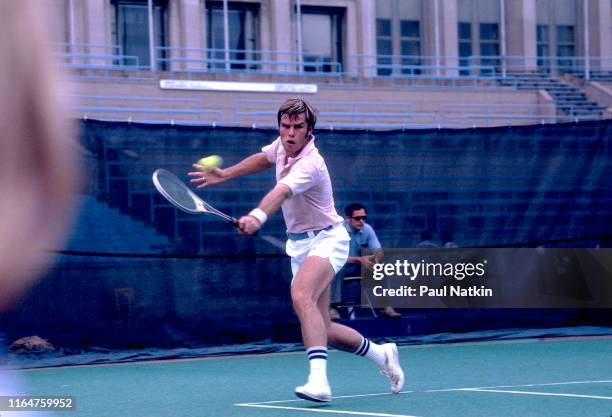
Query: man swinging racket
(318,244)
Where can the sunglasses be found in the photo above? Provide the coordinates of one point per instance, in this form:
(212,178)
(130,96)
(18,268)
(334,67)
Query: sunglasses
(358,218)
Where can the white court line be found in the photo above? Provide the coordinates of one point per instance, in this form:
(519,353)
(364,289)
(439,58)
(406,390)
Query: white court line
(547,394)
(318,410)
(522,385)
(340,396)
(266,404)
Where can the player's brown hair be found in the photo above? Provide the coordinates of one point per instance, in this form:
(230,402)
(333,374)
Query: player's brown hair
(296,106)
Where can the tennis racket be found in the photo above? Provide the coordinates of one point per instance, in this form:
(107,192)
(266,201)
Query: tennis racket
(181,197)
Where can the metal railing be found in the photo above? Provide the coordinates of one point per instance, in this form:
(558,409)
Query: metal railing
(145,109)
(363,65)
(578,65)
(87,48)
(97,61)
(245,60)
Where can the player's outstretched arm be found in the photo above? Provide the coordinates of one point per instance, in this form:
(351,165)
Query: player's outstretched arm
(250,165)
(269,205)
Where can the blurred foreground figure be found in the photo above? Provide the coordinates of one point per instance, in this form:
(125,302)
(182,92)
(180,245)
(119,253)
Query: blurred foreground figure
(37,149)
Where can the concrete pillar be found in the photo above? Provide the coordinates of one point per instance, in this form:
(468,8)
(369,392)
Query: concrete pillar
(75,23)
(283,32)
(57,12)
(352,33)
(449,41)
(78,22)
(265,32)
(95,29)
(600,41)
(72,22)
(175,36)
(95,22)
(428,25)
(521,35)
(365,63)
(445,36)
(186,35)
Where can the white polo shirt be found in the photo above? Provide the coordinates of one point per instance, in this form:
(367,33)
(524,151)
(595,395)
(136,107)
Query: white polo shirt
(311,207)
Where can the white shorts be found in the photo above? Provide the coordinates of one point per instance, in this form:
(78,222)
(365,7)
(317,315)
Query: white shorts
(332,244)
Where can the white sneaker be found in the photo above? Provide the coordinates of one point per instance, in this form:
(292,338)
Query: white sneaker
(314,391)
(392,368)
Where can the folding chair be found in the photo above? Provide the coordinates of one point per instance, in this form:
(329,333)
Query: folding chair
(368,303)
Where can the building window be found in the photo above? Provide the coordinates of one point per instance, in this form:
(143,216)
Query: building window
(464,33)
(130,30)
(384,46)
(242,33)
(566,48)
(398,37)
(322,39)
(543,48)
(556,35)
(489,47)
(479,36)
(410,46)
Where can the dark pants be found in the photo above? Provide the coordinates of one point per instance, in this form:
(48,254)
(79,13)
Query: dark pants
(346,292)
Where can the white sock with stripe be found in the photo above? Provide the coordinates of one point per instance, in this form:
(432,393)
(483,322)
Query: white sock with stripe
(317,357)
(373,351)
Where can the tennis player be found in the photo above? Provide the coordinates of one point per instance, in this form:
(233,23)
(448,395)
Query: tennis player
(318,244)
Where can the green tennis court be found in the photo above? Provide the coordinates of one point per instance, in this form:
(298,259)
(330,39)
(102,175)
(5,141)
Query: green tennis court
(569,377)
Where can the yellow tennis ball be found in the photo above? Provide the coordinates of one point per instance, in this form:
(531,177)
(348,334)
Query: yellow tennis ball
(210,162)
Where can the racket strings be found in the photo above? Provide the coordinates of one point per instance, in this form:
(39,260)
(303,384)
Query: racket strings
(182,197)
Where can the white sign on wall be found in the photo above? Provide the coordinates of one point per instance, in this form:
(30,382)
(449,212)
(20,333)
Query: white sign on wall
(237,86)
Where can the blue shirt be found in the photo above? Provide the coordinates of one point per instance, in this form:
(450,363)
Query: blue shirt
(361,239)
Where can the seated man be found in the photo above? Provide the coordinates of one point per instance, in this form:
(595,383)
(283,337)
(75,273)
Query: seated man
(362,237)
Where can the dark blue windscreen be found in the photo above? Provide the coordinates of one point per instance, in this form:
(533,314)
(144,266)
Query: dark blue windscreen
(139,271)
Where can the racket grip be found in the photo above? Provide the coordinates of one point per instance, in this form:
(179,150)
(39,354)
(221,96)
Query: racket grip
(235,223)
